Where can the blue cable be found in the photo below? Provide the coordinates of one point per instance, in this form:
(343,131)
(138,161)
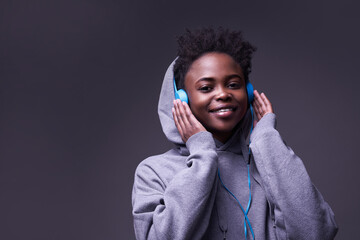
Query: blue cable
(246,219)
(249,181)
(249,203)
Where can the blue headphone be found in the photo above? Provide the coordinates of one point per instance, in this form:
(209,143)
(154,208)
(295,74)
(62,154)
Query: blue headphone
(182,95)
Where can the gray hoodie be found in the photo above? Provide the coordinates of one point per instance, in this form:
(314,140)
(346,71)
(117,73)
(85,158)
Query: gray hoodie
(178,194)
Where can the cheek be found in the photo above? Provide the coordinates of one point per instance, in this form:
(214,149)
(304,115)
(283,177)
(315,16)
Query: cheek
(198,106)
(243,104)
(243,99)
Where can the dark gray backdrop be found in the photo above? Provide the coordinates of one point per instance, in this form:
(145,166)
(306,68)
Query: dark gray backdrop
(79,85)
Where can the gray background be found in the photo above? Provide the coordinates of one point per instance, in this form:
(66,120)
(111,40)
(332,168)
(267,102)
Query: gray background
(79,85)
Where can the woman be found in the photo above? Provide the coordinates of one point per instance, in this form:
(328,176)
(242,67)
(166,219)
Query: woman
(212,184)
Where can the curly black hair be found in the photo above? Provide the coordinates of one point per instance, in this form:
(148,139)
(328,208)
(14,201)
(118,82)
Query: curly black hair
(194,44)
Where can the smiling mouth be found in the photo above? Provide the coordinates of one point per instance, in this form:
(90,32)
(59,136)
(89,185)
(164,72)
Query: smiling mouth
(223,110)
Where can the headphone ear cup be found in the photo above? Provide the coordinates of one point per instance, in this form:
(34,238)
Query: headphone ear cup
(250,92)
(182,95)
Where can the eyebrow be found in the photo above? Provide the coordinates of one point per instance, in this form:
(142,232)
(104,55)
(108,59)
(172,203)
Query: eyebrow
(205,79)
(210,79)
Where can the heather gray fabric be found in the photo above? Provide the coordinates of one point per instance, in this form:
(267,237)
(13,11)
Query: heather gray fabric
(178,195)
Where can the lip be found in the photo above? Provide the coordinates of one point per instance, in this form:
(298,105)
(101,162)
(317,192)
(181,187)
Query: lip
(223,106)
(226,114)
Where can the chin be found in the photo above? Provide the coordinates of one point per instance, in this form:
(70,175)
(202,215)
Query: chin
(223,130)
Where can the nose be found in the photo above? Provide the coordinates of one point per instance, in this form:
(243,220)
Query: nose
(222,94)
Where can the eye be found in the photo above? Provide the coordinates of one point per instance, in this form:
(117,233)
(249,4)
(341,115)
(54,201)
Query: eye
(205,88)
(234,85)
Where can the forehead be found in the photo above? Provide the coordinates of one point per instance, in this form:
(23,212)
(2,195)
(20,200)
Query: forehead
(213,65)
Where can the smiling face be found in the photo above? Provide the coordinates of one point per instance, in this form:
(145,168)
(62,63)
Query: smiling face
(217,94)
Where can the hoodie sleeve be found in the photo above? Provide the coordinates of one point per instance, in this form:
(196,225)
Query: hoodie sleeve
(300,211)
(179,208)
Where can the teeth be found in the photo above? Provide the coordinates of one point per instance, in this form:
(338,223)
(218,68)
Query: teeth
(224,110)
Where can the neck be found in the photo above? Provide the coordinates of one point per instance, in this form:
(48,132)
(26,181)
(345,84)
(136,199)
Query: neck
(224,137)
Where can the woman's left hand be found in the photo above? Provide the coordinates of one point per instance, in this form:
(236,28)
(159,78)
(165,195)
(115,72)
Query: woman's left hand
(262,105)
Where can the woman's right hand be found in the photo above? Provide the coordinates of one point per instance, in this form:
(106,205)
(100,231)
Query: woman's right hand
(185,121)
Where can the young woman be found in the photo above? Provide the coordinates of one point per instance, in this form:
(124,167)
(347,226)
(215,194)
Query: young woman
(213,184)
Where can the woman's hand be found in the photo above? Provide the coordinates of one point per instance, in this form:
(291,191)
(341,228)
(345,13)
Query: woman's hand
(262,105)
(185,120)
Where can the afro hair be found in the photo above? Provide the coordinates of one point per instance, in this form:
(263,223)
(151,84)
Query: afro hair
(194,44)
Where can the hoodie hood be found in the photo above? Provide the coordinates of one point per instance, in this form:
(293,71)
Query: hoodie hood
(167,95)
